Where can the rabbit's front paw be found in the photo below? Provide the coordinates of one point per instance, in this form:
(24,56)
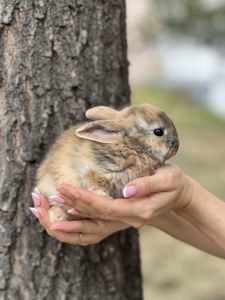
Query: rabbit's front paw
(58,213)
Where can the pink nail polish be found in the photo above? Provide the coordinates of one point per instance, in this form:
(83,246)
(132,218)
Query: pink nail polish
(73,212)
(36,191)
(129,191)
(36,199)
(57,199)
(35,212)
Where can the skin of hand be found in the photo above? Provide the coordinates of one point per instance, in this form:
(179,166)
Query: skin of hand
(168,200)
(167,189)
(105,220)
(93,231)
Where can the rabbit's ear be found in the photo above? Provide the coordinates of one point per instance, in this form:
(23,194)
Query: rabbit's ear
(106,131)
(101,113)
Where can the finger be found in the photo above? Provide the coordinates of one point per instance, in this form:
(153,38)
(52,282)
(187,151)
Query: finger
(71,194)
(79,238)
(44,202)
(93,226)
(85,226)
(99,207)
(39,200)
(115,210)
(163,180)
(44,217)
(63,237)
(70,238)
(87,203)
(85,233)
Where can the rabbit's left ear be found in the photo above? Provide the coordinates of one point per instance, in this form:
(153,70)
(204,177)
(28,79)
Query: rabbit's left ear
(106,131)
(101,113)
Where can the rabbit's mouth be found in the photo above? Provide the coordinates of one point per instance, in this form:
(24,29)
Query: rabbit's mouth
(173,144)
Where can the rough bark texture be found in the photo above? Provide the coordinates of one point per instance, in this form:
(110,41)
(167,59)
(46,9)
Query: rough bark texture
(57,58)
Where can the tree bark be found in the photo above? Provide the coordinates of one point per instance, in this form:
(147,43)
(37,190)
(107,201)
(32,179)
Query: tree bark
(57,58)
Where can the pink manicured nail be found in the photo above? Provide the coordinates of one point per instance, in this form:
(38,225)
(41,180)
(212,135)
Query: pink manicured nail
(37,192)
(129,191)
(36,199)
(57,199)
(73,212)
(35,212)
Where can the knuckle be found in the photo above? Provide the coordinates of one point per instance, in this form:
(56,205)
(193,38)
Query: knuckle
(58,238)
(88,200)
(107,211)
(73,197)
(146,186)
(50,232)
(145,216)
(61,240)
(54,235)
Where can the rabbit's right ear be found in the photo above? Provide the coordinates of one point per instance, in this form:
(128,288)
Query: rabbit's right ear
(106,131)
(101,113)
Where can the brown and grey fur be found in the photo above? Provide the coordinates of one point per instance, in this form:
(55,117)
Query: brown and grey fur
(105,154)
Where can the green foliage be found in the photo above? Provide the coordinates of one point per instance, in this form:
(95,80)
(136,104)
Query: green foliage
(193,18)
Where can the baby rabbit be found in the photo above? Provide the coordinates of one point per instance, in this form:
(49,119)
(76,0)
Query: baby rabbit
(105,154)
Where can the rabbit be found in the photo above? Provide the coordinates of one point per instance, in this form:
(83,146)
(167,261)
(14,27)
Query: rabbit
(103,155)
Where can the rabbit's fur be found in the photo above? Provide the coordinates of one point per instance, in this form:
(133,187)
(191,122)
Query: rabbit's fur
(105,154)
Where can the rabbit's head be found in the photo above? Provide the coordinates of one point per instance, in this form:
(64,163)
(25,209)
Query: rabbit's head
(144,128)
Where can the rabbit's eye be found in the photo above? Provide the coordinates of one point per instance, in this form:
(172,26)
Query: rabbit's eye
(158,132)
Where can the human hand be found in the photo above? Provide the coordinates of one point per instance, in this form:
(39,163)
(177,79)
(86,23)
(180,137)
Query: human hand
(148,198)
(79,232)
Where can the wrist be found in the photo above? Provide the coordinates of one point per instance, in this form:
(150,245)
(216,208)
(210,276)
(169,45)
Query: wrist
(186,194)
(199,204)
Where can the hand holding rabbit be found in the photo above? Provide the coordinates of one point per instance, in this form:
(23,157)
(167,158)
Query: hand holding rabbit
(105,154)
(168,200)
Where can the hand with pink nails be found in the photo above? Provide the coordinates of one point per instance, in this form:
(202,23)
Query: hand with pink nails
(79,232)
(168,200)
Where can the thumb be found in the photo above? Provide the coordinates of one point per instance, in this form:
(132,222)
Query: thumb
(161,181)
(140,187)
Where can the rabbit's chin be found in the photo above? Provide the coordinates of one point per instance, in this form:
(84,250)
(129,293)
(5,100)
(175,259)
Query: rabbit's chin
(160,157)
(164,154)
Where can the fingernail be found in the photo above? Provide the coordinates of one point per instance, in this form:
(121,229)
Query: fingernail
(36,199)
(35,212)
(129,191)
(36,191)
(57,199)
(73,212)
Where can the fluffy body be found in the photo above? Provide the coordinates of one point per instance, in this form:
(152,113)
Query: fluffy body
(105,154)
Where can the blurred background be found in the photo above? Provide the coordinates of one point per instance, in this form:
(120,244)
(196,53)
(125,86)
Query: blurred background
(177,62)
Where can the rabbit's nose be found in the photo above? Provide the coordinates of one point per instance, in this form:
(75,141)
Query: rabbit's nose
(172,142)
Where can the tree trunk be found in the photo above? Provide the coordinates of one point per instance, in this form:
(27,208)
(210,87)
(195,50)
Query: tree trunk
(57,58)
